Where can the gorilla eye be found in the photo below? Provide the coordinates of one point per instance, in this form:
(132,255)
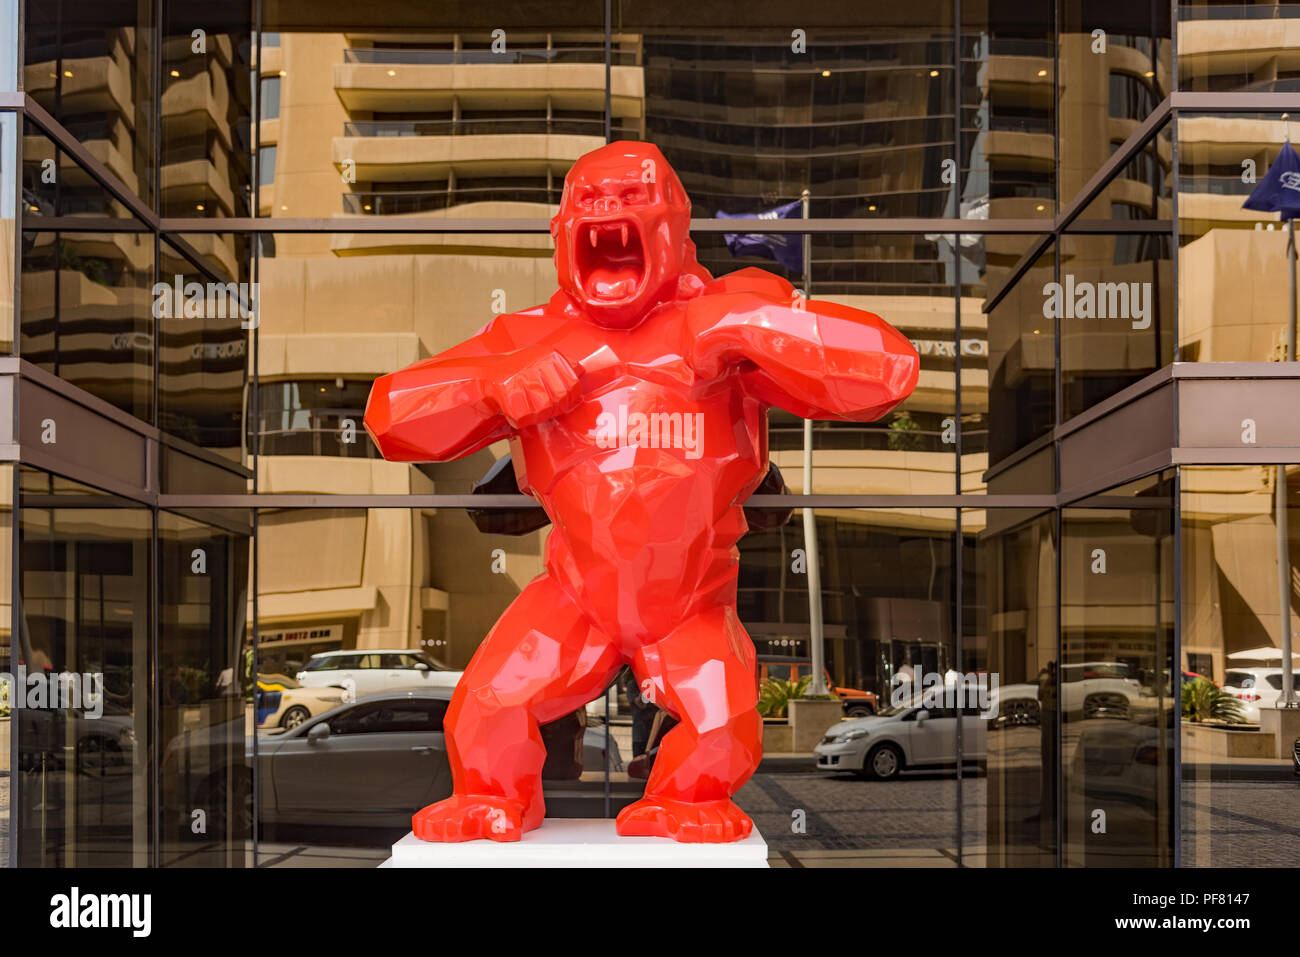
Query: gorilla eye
(633,196)
(588,199)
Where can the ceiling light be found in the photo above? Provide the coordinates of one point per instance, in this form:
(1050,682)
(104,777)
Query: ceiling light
(392,73)
(199,207)
(1149,73)
(34,208)
(1035,332)
(67,73)
(934,72)
(176,72)
(366,207)
(871,208)
(1040,207)
(1042,73)
(284,207)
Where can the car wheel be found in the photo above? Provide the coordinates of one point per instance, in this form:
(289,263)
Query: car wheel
(884,762)
(860,711)
(294,717)
(1020,712)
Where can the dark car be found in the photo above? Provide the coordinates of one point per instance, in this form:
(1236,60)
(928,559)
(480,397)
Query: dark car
(369,763)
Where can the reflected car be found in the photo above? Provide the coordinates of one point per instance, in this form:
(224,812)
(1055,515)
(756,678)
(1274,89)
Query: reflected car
(375,671)
(903,738)
(282,703)
(371,763)
(1256,688)
(1099,689)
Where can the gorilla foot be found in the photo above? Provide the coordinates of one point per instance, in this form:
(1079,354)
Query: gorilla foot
(706,822)
(468,817)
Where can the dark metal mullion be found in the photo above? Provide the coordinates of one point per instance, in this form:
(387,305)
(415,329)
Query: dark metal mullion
(1058,772)
(15,564)
(1175,253)
(256,266)
(958,540)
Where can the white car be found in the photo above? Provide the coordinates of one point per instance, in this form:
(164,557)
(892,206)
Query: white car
(903,738)
(377,670)
(1256,688)
(1099,689)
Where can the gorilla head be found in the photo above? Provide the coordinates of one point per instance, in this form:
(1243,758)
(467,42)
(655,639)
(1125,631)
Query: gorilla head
(621,235)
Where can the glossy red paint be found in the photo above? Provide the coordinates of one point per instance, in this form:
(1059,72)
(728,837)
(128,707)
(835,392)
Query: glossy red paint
(635,402)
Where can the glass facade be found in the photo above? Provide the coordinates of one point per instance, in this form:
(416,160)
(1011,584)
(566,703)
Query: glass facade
(219,226)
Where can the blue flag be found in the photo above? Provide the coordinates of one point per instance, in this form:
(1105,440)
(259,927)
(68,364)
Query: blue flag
(785,248)
(1279,190)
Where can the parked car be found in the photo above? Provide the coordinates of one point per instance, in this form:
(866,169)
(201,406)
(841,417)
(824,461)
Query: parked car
(376,670)
(901,738)
(1256,688)
(283,703)
(857,703)
(370,763)
(1295,757)
(1099,689)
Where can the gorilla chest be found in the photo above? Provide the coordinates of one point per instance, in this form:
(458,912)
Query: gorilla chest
(649,434)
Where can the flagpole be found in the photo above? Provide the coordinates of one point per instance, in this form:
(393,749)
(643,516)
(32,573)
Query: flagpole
(816,632)
(1287,699)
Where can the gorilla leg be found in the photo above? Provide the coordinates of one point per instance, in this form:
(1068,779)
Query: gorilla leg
(542,660)
(702,674)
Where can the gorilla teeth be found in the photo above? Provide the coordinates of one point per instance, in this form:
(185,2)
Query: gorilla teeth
(625,234)
(591,231)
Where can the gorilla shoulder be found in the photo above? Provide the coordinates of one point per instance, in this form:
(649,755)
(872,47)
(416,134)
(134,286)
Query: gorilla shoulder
(751,279)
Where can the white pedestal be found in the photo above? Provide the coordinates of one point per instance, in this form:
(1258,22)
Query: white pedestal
(578,842)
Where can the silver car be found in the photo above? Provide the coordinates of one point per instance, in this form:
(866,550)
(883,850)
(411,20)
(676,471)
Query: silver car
(902,738)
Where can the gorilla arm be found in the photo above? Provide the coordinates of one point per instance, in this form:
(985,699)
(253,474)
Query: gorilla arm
(821,360)
(476,393)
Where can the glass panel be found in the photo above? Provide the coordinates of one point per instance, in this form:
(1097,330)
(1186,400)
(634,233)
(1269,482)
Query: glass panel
(9,233)
(205,335)
(1012,402)
(1225,249)
(90,66)
(1009,645)
(1009,113)
(1238,747)
(887,587)
(85,794)
(466,116)
(206,110)
(1116,685)
(87,313)
(1236,46)
(1115,311)
(344,620)
(206,691)
(54,183)
(9,691)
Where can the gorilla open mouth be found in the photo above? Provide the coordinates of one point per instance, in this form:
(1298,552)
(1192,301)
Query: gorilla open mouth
(610,258)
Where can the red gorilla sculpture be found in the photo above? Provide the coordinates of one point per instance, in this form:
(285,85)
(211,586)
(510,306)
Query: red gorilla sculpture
(635,402)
